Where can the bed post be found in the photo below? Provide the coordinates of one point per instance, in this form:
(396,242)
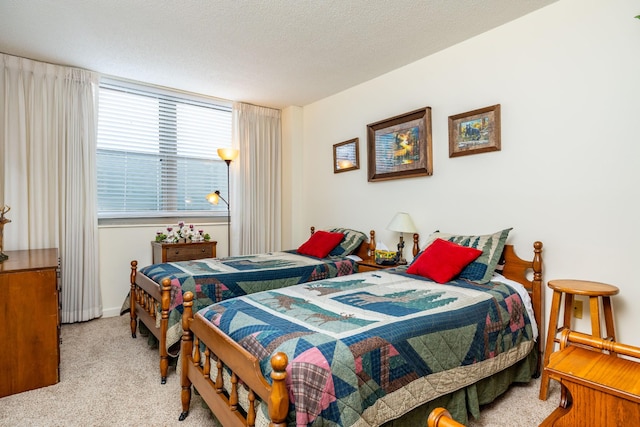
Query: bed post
(279,396)
(186,348)
(538,301)
(132,296)
(416,245)
(372,244)
(164,325)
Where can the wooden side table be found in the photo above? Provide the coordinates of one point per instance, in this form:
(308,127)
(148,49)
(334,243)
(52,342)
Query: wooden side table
(370,265)
(173,252)
(597,292)
(598,389)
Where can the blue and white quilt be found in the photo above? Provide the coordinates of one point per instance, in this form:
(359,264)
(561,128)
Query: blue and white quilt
(216,279)
(369,347)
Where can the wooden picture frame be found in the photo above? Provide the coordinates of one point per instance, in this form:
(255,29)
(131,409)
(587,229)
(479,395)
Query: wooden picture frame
(400,147)
(346,156)
(474,132)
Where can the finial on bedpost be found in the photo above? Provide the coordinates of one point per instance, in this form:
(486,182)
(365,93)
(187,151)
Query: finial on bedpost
(372,244)
(187,315)
(313,229)
(440,416)
(186,347)
(132,298)
(134,267)
(537,261)
(416,244)
(279,397)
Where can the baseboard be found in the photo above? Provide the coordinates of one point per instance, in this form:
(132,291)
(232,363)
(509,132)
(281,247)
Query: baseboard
(111,312)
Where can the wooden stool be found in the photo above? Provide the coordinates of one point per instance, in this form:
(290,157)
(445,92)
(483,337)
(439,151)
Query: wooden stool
(568,288)
(598,389)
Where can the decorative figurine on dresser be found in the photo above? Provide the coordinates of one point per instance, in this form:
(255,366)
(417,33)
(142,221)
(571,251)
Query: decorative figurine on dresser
(3,221)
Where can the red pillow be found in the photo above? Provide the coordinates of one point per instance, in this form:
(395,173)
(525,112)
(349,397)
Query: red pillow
(320,243)
(443,260)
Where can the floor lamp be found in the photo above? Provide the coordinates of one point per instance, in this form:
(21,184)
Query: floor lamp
(228,155)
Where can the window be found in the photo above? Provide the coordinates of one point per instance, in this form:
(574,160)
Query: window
(157,152)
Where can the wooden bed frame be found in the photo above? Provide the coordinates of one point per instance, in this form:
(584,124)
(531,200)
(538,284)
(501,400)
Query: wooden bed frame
(147,297)
(245,367)
(440,417)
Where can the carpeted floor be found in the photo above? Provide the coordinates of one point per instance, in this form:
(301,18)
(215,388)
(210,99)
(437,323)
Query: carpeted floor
(107,378)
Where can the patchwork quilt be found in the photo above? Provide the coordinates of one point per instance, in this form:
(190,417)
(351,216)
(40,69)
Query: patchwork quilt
(216,279)
(368,348)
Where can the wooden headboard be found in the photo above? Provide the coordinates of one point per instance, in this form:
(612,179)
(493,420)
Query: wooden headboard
(519,270)
(366,249)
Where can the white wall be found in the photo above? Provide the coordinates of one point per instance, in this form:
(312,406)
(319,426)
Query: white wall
(568,79)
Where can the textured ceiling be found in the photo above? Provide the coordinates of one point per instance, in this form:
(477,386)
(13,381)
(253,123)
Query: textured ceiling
(274,53)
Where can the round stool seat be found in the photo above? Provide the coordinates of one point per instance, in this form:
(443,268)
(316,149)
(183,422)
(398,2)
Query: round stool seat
(583,287)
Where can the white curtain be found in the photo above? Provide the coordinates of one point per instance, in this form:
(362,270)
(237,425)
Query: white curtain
(48,119)
(256,183)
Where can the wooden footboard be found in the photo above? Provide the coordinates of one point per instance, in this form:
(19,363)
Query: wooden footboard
(146,296)
(196,370)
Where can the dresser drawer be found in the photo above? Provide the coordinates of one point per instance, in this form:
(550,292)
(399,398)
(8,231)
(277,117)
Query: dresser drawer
(173,252)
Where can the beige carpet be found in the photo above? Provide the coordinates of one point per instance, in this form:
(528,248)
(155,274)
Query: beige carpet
(108,379)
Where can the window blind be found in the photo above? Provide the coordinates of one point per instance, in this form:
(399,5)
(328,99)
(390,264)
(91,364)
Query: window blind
(157,152)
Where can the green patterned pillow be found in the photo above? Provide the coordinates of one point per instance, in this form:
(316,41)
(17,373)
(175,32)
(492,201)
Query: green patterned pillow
(491,245)
(350,243)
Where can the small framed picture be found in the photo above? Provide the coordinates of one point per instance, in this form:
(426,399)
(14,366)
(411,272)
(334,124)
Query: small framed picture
(400,147)
(474,132)
(346,156)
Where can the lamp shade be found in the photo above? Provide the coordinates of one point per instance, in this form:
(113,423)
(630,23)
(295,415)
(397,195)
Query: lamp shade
(402,223)
(227,154)
(213,198)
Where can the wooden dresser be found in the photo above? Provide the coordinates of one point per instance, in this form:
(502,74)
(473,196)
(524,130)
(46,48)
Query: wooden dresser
(30,320)
(173,252)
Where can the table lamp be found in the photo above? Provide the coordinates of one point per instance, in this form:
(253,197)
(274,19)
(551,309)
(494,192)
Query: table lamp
(402,223)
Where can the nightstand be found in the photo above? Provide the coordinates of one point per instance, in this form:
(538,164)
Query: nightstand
(370,265)
(173,252)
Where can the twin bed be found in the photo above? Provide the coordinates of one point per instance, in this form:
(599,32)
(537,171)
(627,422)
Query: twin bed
(375,348)
(156,294)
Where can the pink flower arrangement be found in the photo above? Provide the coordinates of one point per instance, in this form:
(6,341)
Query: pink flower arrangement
(182,232)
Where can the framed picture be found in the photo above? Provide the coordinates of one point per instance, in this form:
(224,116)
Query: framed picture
(346,156)
(474,132)
(400,147)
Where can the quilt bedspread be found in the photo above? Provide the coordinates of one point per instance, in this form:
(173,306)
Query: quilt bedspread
(216,279)
(354,341)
